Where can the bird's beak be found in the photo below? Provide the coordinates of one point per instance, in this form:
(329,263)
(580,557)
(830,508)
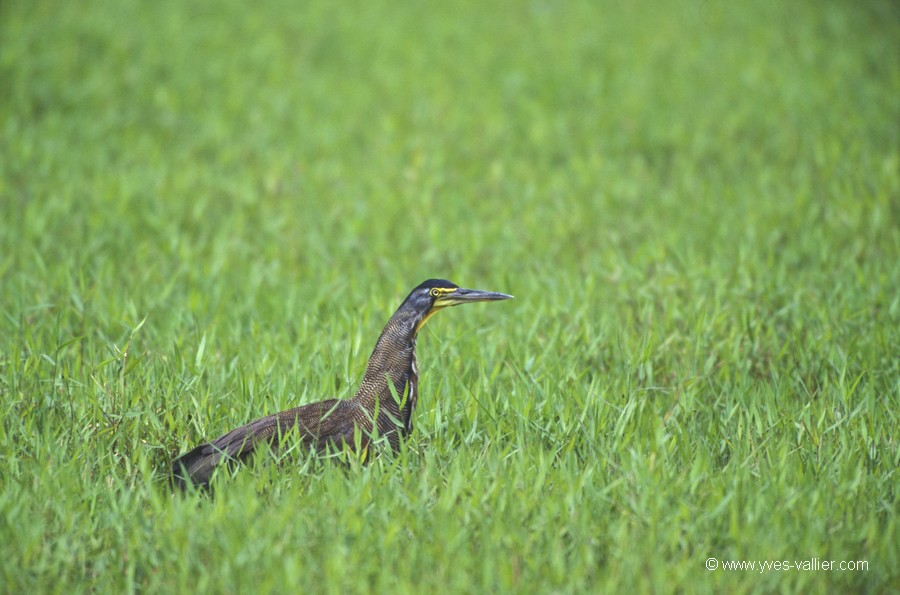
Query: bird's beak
(465,296)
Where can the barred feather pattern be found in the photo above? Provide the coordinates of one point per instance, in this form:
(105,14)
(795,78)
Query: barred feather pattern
(383,406)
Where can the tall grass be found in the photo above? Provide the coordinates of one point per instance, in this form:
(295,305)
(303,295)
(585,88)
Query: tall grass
(208,212)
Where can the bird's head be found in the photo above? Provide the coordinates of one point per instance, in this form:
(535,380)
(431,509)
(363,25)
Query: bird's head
(437,294)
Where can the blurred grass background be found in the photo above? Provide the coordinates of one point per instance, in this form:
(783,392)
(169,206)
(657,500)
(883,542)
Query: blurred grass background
(208,212)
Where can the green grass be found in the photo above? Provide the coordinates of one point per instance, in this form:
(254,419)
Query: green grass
(210,210)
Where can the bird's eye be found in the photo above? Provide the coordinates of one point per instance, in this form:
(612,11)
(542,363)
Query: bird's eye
(435,293)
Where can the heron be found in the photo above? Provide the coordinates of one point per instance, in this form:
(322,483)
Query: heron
(382,407)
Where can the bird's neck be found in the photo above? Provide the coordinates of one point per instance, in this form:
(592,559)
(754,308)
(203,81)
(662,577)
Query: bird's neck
(390,382)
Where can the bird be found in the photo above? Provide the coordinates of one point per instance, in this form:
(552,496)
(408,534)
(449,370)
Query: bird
(382,407)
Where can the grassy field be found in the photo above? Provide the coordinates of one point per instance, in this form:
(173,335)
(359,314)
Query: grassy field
(209,210)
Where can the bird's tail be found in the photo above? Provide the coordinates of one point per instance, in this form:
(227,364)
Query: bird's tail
(196,467)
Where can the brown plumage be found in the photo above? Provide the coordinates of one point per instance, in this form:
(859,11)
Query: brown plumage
(383,405)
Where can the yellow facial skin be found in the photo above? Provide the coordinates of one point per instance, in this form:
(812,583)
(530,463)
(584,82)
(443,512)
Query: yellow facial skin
(439,304)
